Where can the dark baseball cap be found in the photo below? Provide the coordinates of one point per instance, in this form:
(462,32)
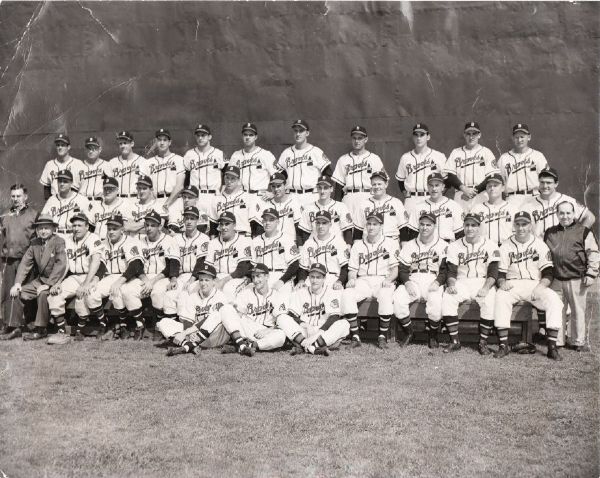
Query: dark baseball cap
(428,215)
(233,170)
(65,174)
(277,178)
(260,268)
(380,174)
(227,216)
(323,215)
(420,128)
(92,141)
(316,267)
(207,270)
(473,217)
(359,130)
(301,123)
(523,216)
(202,128)
(110,182)
(270,212)
(62,138)
(45,219)
(435,177)
(193,190)
(144,180)
(79,216)
(115,220)
(325,180)
(126,135)
(549,172)
(163,132)
(495,177)
(191,211)
(520,127)
(250,127)
(472,126)
(375,215)
(153,216)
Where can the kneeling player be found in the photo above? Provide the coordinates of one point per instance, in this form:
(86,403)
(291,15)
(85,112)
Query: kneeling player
(472,270)
(254,329)
(313,321)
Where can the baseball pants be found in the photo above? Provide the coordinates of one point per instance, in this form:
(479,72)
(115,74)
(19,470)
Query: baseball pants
(521,291)
(467,290)
(132,293)
(247,328)
(123,301)
(467,203)
(38,291)
(421,281)
(171,298)
(573,294)
(353,202)
(69,287)
(12,309)
(332,336)
(366,287)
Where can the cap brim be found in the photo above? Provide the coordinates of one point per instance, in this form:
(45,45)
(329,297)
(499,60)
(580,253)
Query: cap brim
(420,130)
(151,219)
(521,130)
(359,132)
(209,274)
(114,223)
(472,128)
(324,182)
(270,215)
(64,177)
(45,223)
(375,218)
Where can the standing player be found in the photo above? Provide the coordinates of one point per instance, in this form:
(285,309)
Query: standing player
(111,204)
(415,167)
(468,166)
(166,171)
(524,274)
(125,168)
(520,167)
(372,270)
(472,270)
(235,200)
(341,218)
(448,213)
(62,162)
(420,275)
(188,197)
(256,164)
(84,252)
(145,203)
(93,171)
(303,164)
(353,170)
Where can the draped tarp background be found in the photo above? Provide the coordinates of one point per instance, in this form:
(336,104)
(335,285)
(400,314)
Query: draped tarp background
(98,67)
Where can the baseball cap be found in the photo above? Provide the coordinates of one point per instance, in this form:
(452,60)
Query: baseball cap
(153,216)
(92,141)
(79,216)
(277,178)
(233,170)
(270,212)
(323,215)
(428,215)
(496,177)
(250,127)
(375,215)
(472,217)
(162,132)
(193,190)
(301,123)
(126,135)
(115,220)
(110,182)
(192,211)
(472,126)
(62,138)
(359,130)
(45,219)
(324,180)
(144,180)
(435,177)
(316,267)
(202,128)
(207,270)
(520,127)
(260,268)
(65,174)
(420,128)
(522,215)
(380,174)
(550,172)
(227,216)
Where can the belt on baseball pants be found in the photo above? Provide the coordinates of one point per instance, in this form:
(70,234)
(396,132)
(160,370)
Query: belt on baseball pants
(425,271)
(162,195)
(300,191)
(256,191)
(417,193)
(128,195)
(62,230)
(365,190)
(278,270)
(91,198)
(519,192)
(207,191)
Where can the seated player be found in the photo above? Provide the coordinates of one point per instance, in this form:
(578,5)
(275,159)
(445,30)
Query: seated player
(472,270)
(313,322)
(110,206)
(232,199)
(258,308)
(188,197)
(421,275)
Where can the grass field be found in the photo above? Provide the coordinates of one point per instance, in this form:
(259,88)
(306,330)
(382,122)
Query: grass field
(124,409)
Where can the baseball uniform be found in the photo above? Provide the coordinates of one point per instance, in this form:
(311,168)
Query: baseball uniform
(290,214)
(395,216)
(277,253)
(63,209)
(225,257)
(520,172)
(332,252)
(543,211)
(138,212)
(126,171)
(91,179)
(176,220)
(164,173)
(205,170)
(240,203)
(51,169)
(496,220)
(303,168)
(413,170)
(256,168)
(341,219)
(101,213)
(449,215)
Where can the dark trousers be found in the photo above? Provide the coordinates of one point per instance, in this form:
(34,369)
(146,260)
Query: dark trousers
(30,294)
(12,309)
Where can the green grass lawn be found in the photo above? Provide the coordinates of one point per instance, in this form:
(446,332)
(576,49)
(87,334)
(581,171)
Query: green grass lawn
(124,409)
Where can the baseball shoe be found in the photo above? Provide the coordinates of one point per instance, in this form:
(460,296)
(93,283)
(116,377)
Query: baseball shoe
(355,342)
(553,353)
(408,336)
(138,333)
(248,349)
(37,335)
(13,334)
(382,343)
(432,341)
(228,349)
(106,334)
(175,351)
(196,350)
(483,348)
(59,339)
(78,336)
(581,348)
(452,347)
(297,350)
(120,333)
(322,351)
(502,351)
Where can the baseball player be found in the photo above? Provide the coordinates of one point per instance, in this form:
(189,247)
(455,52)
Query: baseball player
(468,166)
(277,252)
(524,274)
(234,199)
(520,167)
(121,263)
(187,197)
(341,218)
(420,275)
(204,164)
(166,171)
(395,216)
(259,308)
(352,173)
(472,270)
(125,168)
(231,256)
(313,322)
(496,214)
(256,164)
(542,207)
(303,164)
(325,248)
(145,203)
(415,167)
(93,171)
(111,204)
(372,271)
(84,252)
(448,213)
(63,205)
(63,162)
(200,317)
(287,205)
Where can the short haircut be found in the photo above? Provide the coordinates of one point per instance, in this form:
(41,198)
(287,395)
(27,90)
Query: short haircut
(18,186)
(565,202)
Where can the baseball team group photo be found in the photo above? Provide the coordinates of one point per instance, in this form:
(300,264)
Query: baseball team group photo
(297,292)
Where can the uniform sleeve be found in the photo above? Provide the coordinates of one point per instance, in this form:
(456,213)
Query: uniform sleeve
(210,255)
(221,160)
(401,171)
(504,260)
(339,173)
(457,217)
(361,220)
(241,302)
(133,251)
(144,169)
(304,223)
(579,208)
(491,165)
(321,161)
(280,165)
(591,253)
(345,217)
(202,251)
(76,168)
(109,171)
(439,161)
(187,159)
(413,221)
(541,160)
(450,164)
(96,246)
(86,208)
(332,303)
(354,255)
(295,307)
(344,249)
(45,178)
(501,163)
(291,253)
(179,167)
(394,254)
(545,256)
(213,208)
(452,253)
(304,259)
(297,211)
(405,256)
(269,162)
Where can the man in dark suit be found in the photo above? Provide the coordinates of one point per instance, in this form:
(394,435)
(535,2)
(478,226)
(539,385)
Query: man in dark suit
(47,260)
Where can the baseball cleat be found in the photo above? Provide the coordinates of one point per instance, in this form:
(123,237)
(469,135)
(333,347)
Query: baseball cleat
(196,350)
(452,347)
(38,335)
(59,339)
(138,333)
(483,348)
(581,348)
(382,343)
(433,343)
(13,334)
(228,349)
(502,351)
(175,351)
(322,351)
(297,350)
(78,336)
(553,354)
(355,342)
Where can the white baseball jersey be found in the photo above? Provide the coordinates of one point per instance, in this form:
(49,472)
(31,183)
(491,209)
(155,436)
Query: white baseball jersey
(62,210)
(472,260)
(395,216)
(332,252)
(423,258)
(290,214)
(205,168)
(524,261)
(80,251)
(126,171)
(262,309)
(240,203)
(163,172)
(101,212)
(414,168)
(196,308)
(176,218)
(520,170)
(315,309)
(117,257)
(277,252)
(449,215)
(91,178)
(341,219)
(544,214)
(225,256)
(496,220)
(156,253)
(375,259)
(354,172)
(191,249)
(302,166)
(255,168)
(471,166)
(139,211)
(51,169)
